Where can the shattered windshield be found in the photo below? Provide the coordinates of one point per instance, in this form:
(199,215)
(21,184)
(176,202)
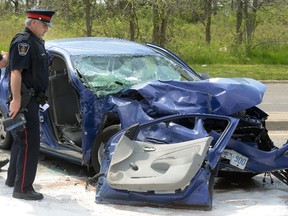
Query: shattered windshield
(108,74)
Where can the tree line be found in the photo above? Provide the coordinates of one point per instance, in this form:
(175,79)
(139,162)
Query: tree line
(160,18)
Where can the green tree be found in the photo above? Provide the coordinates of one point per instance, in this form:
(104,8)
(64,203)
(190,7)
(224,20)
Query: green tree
(163,10)
(239,19)
(250,14)
(89,17)
(207,20)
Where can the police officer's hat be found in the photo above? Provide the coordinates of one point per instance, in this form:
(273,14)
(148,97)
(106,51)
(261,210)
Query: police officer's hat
(41,14)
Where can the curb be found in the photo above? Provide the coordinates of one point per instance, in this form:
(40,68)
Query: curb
(273,81)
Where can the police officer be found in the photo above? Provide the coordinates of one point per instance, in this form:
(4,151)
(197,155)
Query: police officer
(3,63)
(28,66)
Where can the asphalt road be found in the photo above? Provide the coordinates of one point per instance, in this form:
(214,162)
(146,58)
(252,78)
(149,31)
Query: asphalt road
(275,104)
(275,98)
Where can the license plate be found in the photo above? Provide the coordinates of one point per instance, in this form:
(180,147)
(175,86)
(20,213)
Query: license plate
(236,159)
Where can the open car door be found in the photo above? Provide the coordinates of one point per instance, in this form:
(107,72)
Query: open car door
(170,161)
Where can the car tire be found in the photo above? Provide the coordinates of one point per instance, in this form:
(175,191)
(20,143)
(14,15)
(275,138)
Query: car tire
(6,138)
(99,144)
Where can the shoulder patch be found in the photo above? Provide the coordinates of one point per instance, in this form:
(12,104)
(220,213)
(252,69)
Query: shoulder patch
(23,48)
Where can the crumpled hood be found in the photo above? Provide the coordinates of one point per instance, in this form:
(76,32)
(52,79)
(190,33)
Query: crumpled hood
(144,102)
(222,96)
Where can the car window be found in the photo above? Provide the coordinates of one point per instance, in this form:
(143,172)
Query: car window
(108,74)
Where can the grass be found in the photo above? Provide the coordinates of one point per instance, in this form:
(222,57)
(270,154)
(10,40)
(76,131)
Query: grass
(266,63)
(257,71)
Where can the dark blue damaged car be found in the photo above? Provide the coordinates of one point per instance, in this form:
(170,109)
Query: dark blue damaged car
(154,130)
(111,97)
(98,86)
(89,80)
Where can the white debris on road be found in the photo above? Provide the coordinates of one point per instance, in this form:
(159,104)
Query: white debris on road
(67,195)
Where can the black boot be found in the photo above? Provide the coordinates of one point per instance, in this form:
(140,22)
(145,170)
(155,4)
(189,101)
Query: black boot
(28,195)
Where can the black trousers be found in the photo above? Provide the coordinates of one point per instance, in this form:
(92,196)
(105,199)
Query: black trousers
(25,151)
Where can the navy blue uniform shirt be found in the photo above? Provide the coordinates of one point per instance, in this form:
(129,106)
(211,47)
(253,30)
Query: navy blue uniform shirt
(23,52)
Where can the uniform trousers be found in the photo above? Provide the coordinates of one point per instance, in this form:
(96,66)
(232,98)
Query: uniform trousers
(25,151)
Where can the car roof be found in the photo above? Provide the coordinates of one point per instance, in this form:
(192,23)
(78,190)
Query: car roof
(98,46)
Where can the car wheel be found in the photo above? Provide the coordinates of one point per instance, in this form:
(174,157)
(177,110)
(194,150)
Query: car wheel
(99,144)
(6,139)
